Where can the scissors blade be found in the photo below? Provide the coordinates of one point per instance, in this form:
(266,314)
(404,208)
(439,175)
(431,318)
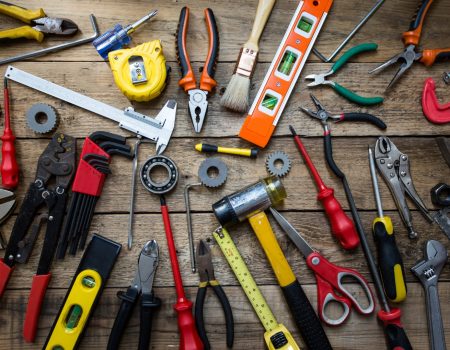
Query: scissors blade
(293,234)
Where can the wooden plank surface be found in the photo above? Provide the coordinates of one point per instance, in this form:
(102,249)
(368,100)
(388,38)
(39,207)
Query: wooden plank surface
(82,70)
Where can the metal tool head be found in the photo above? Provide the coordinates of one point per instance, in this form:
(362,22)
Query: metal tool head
(321,112)
(166,117)
(57,26)
(58,159)
(198,106)
(147,264)
(7,204)
(405,58)
(292,233)
(319,79)
(435,257)
(204,262)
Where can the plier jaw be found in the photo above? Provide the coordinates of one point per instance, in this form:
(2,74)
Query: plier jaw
(57,26)
(147,264)
(204,263)
(198,106)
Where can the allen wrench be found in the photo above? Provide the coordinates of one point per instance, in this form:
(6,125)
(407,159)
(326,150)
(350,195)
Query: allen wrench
(350,35)
(56,48)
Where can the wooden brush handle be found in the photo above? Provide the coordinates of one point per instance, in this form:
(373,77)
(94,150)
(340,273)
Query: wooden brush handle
(262,14)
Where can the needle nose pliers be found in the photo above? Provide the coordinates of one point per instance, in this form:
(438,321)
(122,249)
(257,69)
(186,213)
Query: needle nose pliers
(198,103)
(41,24)
(321,79)
(207,278)
(411,40)
(141,284)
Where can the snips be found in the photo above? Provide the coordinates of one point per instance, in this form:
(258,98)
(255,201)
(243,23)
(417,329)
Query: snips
(58,162)
(142,284)
(330,279)
(411,40)
(394,168)
(198,97)
(207,278)
(39,23)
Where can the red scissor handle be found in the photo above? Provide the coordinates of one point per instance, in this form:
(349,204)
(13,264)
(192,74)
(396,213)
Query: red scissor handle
(5,274)
(332,277)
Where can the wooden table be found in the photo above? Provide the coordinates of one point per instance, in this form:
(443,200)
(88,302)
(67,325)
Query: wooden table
(82,70)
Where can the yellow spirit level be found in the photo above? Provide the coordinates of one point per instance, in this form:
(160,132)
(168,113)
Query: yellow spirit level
(284,71)
(84,292)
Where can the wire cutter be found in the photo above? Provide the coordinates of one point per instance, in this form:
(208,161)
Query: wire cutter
(394,168)
(141,284)
(39,23)
(320,79)
(330,278)
(57,161)
(411,40)
(207,278)
(198,102)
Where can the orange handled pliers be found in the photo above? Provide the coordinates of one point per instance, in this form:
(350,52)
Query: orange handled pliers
(198,103)
(411,40)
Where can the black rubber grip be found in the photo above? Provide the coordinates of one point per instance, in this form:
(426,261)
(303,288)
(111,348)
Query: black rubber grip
(363,117)
(183,58)
(209,148)
(421,12)
(328,146)
(148,305)
(229,321)
(199,321)
(388,257)
(397,338)
(305,317)
(123,316)
(213,52)
(442,56)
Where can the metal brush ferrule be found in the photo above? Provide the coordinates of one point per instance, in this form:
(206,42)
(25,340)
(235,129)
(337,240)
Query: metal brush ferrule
(246,62)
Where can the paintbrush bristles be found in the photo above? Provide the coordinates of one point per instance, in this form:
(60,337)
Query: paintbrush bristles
(236,96)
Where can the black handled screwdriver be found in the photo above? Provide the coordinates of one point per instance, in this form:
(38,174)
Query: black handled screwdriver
(390,261)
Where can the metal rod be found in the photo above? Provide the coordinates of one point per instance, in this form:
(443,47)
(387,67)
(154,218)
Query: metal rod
(133,190)
(56,48)
(351,34)
(376,189)
(189,225)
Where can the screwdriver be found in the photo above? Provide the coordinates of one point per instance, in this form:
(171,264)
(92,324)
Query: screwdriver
(118,37)
(390,261)
(341,225)
(245,152)
(8,167)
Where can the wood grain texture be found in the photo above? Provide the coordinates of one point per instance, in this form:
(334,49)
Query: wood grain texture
(82,70)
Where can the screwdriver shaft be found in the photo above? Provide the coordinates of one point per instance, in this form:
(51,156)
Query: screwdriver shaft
(376,189)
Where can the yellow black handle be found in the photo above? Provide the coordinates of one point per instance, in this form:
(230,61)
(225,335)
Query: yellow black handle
(390,261)
(22,32)
(20,13)
(301,309)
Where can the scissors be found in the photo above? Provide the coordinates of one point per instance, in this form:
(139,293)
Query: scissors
(330,284)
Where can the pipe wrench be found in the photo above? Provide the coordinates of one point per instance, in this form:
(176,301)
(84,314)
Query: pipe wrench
(428,271)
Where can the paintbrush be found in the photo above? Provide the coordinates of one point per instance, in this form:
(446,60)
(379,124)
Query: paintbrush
(236,96)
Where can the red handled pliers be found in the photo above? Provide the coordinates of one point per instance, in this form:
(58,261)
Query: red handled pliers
(198,103)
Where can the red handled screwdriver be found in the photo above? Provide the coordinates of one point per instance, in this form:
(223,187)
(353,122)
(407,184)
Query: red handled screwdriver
(189,338)
(341,225)
(8,167)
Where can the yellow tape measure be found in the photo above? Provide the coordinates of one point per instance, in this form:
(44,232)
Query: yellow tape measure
(75,311)
(140,72)
(276,335)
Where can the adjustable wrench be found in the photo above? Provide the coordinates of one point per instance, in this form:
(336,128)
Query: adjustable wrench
(428,271)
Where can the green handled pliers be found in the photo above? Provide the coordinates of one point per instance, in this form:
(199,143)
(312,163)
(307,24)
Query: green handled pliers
(320,79)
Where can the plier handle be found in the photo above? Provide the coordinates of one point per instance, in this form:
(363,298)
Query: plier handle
(411,39)
(321,79)
(198,103)
(142,285)
(41,23)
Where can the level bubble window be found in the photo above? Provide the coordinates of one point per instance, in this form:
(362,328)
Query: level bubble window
(305,26)
(270,102)
(288,63)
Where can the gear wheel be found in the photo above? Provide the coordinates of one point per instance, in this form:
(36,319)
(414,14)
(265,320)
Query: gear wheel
(48,115)
(213,163)
(281,157)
